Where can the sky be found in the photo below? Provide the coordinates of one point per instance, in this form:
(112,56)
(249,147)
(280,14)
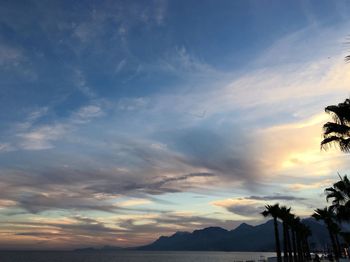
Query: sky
(121,121)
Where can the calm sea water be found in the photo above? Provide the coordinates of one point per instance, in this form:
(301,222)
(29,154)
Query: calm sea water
(110,256)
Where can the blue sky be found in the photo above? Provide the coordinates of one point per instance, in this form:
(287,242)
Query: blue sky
(125,120)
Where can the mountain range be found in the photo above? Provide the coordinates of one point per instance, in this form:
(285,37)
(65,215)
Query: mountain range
(243,238)
(248,238)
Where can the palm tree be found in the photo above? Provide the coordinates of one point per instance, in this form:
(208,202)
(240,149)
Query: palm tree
(305,234)
(326,215)
(338,131)
(273,211)
(336,231)
(298,226)
(292,225)
(284,215)
(340,195)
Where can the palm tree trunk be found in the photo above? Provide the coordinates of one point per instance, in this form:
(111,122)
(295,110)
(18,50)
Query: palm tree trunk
(295,257)
(300,251)
(307,249)
(289,246)
(338,245)
(285,242)
(277,239)
(334,245)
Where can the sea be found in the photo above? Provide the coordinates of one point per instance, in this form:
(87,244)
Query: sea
(131,256)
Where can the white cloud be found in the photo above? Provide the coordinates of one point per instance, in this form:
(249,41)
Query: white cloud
(134,202)
(81,84)
(39,137)
(42,137)
(86,113)
(6,147)
(120,66)
(132,104)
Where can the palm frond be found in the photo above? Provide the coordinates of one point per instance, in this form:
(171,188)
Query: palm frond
(336,128)
(343,143)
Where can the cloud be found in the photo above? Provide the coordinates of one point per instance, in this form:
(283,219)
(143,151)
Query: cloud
(82,85)
(316,185)
(31,135)
(181,63)
(6,147)
(252,206)
(70,189)
(40,202)
(42,137)
(134,202)
(294,149)
(132,104)
(241,206)
(10,56)
(82,231)
(226,155)
(160,11)
(277,197)
(159,185)
(86,113)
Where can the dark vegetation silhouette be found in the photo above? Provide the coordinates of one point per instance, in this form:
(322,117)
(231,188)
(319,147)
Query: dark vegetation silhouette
(247,238)
(327,216)
(337,132)
(273,211)
(295,234)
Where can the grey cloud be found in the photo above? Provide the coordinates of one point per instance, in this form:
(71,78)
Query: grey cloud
(245,210)
(276,197)
(36,203)
(160,186)
(227,155)
(253,209)
(145,171)
(79,190)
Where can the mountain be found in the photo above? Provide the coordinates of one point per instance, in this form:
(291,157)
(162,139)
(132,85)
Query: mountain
(243,238)
(320,236)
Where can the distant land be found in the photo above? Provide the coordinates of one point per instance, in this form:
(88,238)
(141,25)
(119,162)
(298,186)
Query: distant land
(245,237)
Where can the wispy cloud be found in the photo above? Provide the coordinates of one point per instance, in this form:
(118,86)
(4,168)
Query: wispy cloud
(38,136)
(42,137)
(86,113)
(10,56)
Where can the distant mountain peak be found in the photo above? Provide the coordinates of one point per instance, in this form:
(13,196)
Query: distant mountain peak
(211,229)
(245,225)
(245,237)
(181,233)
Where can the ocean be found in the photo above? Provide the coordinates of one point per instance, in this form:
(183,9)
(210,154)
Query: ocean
(130,256)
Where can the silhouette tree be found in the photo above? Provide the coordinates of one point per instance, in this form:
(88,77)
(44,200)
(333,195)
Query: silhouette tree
(340,195)
(326,215)
(338,131)
(298,228)
(336,231)
(273,211)
(305,234)
(292,225)
(283,214)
